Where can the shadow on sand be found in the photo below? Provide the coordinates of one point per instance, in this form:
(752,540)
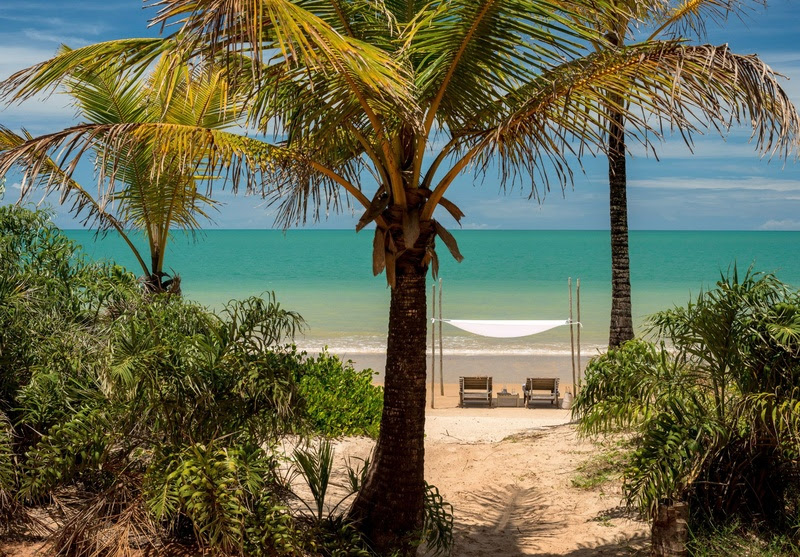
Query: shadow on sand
(513,520)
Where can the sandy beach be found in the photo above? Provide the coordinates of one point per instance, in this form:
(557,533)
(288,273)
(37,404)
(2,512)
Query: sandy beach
(509,370)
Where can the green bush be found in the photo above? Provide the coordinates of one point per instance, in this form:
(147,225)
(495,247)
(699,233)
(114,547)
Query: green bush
(714,403)
(54,308)
(339,399)
(156,416)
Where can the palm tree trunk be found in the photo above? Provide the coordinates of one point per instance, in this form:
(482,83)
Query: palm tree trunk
(621,329)
(152,281)
(389,507)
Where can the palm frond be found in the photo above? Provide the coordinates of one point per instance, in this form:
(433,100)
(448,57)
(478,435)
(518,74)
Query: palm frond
(691,17)
(370,21)
(211,156)
(46,76)
(84,203)
(689,88)
(259,28)
(469,52)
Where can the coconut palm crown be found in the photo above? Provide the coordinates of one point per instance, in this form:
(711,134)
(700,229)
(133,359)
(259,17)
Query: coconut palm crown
(135,195)
(382,104)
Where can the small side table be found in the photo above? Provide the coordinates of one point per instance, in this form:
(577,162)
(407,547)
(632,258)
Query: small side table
(507,400)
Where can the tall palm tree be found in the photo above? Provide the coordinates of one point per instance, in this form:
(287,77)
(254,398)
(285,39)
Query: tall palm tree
(357,91)
(667,20)
(137,196)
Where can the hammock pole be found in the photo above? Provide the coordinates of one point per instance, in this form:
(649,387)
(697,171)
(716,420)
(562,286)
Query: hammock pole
(441,349)
(433,345)
(580,367)
(571,337)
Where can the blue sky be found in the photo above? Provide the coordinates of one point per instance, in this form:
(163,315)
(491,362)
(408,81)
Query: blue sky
(723,185)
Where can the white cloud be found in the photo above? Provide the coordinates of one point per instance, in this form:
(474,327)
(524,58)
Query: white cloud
(14,58)
(703,147)
(760,183)
(781,57)
(41,113)
(70,40)
(783,224)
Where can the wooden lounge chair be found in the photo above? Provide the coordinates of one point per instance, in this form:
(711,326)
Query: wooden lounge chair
(540,388)
(474,389)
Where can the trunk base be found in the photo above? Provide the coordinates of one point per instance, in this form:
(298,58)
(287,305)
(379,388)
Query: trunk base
(670,532)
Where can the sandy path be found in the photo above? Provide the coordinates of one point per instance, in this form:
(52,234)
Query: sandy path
(508,474)
(515,497)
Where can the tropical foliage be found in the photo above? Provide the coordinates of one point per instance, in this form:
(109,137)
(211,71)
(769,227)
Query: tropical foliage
(340,400)
(714,403)
(388,103)
(136,196)
(156,419)
(732,539)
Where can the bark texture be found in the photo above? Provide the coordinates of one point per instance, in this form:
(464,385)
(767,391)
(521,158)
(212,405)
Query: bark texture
(670,531)
(621,329)
(389,507)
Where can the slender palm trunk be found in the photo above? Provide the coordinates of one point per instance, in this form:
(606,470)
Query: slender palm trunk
(390,505)
(152,281)
(621,329)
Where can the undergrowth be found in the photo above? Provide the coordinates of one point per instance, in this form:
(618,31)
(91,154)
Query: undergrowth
(132,421)
(730,540)
(339,399)
(603,467)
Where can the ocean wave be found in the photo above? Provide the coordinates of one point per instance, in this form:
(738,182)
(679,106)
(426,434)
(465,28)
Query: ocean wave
(349,347)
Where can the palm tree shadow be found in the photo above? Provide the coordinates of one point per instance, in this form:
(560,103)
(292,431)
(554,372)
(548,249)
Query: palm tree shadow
(513,520)
(634,546)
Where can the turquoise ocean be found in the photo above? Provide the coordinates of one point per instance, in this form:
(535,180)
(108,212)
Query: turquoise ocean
(326,275)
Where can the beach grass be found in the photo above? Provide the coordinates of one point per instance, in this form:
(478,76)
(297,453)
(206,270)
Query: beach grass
(732,539)
(606,465)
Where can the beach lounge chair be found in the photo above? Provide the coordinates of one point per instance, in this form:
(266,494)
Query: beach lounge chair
(475,389)
(540,388)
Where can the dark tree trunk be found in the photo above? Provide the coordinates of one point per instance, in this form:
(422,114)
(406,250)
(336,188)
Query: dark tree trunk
(621,329)
(670,531)
(389,508)
(155,282)
(152,281)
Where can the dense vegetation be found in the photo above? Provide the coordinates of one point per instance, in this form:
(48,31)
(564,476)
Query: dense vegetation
(339,399)
(714,403)
(387,104)
(138,419)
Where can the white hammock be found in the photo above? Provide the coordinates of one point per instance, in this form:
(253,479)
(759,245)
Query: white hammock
(505,328)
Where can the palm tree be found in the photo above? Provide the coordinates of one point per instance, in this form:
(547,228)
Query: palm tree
(668,19)
(356,93)
(137,196)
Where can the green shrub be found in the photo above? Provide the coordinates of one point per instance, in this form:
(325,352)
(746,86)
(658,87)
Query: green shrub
(54,306)
(339,399)
(437,530)
(8,475)
(715,405)
(157,416)
(607,464)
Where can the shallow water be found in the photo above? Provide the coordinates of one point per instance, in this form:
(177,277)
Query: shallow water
(326,276)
